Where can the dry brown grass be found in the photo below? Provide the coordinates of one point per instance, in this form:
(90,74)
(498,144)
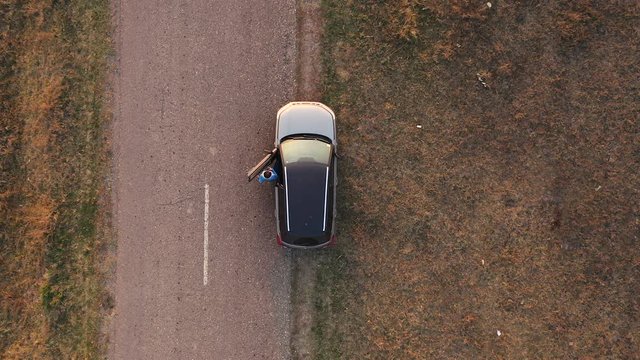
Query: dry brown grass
(52,73)
(514,208)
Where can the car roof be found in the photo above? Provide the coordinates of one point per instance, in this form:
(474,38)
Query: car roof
(306,189)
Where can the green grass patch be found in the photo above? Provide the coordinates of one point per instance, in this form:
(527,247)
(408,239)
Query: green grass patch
(54,159)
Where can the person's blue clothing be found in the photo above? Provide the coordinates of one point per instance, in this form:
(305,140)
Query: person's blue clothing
(272,178)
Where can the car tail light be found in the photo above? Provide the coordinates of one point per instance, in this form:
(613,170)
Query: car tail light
(279,240)
(333,241)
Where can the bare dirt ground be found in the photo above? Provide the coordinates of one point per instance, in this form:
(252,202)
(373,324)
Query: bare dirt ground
(489,182)
(199,83)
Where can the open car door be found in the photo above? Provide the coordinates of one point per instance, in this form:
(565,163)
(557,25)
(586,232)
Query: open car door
(266,161)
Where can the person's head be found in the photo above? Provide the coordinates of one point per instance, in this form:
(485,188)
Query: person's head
(267,174)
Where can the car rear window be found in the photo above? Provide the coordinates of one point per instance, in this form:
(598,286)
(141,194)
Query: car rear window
(305,150)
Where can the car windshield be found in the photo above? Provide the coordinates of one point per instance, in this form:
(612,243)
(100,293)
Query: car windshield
(305,150)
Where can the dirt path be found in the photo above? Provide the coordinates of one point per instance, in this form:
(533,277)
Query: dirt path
(309,73)
(198,85)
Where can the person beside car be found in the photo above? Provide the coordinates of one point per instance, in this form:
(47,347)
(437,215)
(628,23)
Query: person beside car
(268,175)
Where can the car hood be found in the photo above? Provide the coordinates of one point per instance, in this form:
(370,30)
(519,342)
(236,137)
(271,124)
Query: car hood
(305,118)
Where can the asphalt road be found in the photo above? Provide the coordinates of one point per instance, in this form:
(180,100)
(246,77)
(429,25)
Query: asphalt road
(197,89)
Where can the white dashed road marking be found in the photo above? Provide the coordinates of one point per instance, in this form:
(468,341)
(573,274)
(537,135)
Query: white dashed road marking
(205,264)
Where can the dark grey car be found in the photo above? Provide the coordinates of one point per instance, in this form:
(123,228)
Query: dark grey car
(305,157)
